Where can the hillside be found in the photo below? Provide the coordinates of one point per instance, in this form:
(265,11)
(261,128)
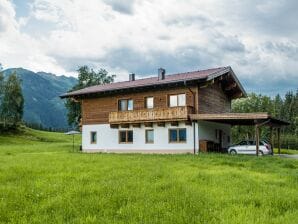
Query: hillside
(41,93)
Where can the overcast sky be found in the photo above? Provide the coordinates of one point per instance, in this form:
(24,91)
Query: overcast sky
(259,39)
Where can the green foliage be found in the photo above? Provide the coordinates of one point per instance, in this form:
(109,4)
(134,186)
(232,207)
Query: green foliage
(252,103)
(284,109)
(42,181)
(86,77)
(1,87)
(12,102)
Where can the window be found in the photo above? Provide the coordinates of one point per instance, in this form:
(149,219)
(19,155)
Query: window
(243,143)
(125,136)
(177,100)
(149,102)
(149,135)
(126,104)
(177,135)
(93,137)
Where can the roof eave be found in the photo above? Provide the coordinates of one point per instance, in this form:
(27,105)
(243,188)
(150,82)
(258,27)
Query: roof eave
(182,81)
(228,70)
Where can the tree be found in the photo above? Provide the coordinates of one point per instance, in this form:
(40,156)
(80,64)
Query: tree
(278,105)
(1,86)
(12,102)
(86,77)
(253,103)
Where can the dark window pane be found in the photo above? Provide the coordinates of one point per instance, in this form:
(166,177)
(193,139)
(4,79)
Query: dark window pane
(122,105)
(182,135)
(243,143)
(122,136)
(129,136)
(93,137)
(173,135)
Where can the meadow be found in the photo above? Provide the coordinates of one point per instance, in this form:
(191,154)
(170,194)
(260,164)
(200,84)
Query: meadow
(43,181)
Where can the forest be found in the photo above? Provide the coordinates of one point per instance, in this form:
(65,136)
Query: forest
(281,107)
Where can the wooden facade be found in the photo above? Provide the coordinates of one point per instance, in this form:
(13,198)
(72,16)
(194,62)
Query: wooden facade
(213,99)
(103,110)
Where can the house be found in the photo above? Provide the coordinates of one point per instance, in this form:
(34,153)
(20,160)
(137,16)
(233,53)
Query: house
(161,114)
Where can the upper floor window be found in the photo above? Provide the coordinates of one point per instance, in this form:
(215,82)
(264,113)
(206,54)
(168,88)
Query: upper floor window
(93,137)
(177,100)
(149,102)
(125,104)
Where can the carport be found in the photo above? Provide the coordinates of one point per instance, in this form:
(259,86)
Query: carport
(246,119)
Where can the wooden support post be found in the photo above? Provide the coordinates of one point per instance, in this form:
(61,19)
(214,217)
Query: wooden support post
(257,140)
(278,139)
(271,140)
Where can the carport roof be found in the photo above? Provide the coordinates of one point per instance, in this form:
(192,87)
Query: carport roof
(240,119)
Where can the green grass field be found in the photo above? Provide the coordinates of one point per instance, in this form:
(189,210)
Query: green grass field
(43,181)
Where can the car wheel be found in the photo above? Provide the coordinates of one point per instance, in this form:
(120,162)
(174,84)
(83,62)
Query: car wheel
(261,153)
(233,152)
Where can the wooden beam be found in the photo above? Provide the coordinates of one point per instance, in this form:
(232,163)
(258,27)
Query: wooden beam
(174,123)
(136,125)
(114,126)
(161,124)
(124,125)
(148,124)
(278,139)
(231,86)
(271,139)
(189,123)
(237,95)
(257,140)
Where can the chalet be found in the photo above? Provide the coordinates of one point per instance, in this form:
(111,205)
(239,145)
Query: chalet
(179,113)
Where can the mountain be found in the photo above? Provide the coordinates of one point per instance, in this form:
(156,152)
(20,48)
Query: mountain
(41,93)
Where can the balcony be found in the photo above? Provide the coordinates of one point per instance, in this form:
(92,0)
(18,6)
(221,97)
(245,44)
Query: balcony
(150,115)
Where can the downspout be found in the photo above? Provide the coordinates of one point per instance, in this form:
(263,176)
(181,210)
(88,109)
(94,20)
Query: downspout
(193,123)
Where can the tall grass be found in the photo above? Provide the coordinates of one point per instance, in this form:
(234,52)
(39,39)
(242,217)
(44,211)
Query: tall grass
(43,181)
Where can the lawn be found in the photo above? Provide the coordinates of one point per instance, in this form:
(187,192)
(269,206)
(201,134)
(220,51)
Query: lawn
(43,181)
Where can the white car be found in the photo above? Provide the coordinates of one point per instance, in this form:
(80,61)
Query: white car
(249,147)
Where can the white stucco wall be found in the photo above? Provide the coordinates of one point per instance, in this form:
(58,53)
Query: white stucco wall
(207,129)
(107,139)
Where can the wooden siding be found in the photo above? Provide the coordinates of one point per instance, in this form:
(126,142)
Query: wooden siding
(97,110)
(212,99)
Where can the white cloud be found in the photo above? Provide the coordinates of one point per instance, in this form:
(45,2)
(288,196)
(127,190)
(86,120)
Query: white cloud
(141,35)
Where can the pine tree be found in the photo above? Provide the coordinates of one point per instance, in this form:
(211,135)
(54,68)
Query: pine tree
(278,104)
(13,102)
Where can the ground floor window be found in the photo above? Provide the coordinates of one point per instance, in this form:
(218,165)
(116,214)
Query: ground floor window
(149,136)
(93,137)
(126,136)
(177,135)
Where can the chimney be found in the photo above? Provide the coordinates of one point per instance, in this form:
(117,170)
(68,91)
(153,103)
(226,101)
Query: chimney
(161,74)
(132,77)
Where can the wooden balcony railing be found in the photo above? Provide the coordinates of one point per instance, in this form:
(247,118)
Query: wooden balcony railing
(150,115)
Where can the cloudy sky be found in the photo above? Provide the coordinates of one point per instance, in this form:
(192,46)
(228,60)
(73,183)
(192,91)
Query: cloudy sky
(259,39)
